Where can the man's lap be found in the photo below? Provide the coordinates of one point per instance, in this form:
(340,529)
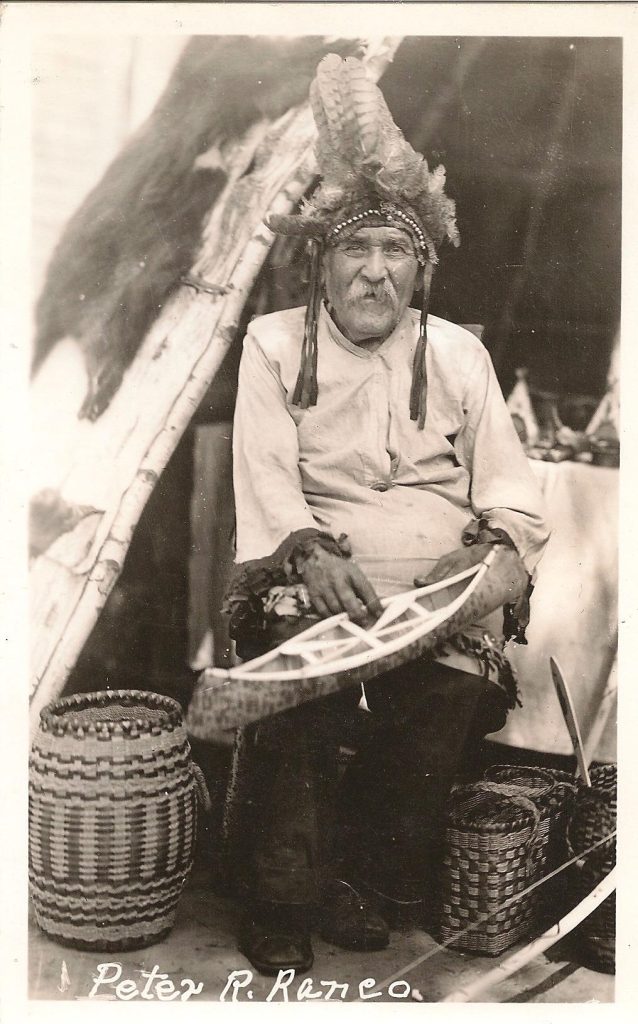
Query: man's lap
(396,698)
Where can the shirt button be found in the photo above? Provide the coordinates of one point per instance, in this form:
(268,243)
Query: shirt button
(379,486)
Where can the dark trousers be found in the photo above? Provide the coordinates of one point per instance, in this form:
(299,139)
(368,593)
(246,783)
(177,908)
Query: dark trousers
(307,820)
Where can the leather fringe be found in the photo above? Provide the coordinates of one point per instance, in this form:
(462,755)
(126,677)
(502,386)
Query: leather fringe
(419,388)
(306,388)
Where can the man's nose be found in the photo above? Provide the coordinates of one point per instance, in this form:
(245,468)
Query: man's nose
(374,268)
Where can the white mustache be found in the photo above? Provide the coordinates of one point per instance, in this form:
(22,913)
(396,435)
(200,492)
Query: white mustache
(382,291)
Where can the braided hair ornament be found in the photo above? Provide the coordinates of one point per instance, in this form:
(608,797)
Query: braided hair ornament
(370,177)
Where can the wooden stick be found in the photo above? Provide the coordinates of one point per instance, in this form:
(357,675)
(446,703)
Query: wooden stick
(113,464)
(569,716)
(513,963)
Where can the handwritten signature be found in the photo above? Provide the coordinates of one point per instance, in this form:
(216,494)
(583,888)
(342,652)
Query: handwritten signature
(237,988)
(157,985)
(108,983)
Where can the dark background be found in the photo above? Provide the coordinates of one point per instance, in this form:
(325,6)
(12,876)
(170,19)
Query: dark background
(530,133)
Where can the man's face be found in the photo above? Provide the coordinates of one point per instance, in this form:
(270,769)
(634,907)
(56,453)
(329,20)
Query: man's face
(369,280)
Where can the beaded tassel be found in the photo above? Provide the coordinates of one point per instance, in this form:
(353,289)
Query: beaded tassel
(418,391)
(306,389)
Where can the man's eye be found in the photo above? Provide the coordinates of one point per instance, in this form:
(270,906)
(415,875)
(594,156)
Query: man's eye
(354,249)
(397,251)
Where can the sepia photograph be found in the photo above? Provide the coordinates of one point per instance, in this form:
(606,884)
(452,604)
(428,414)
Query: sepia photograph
(320,470)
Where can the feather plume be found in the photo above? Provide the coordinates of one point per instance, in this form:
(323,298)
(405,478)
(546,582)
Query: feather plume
(356,129)
(361,101)
(437,179)
(361,152)
(327,109)
(294,224)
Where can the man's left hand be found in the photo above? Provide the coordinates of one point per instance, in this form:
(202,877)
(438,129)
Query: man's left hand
(507,566)
(454,562)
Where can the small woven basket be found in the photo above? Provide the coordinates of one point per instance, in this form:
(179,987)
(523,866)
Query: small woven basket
(593,818)
(497,842)
(113,796)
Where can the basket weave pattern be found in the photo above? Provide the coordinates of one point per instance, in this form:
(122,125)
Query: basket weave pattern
(594,817)
(112,818)
(553,793)
(500,838)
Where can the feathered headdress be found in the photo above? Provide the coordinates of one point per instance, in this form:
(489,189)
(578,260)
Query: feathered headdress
(370,176)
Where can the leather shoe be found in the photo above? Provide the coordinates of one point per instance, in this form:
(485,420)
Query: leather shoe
(351,921)
(276,937)
(401,912)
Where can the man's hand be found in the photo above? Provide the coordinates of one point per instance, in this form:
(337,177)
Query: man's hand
(454,562)
(338,585)
(507,569)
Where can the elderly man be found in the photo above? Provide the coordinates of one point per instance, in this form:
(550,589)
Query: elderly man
(388,453)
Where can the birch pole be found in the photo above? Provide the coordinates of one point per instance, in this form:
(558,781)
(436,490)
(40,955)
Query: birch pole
(96,476)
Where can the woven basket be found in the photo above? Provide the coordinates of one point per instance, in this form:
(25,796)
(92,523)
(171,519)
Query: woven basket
(496,846)
(553,793)
(593,818)
(113,797)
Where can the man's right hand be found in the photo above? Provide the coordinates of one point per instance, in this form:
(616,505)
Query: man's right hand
(338,585)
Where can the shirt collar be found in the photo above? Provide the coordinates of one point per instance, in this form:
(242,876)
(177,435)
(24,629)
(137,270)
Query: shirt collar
(360,350)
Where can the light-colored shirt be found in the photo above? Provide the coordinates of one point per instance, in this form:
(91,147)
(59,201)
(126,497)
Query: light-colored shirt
(357,464)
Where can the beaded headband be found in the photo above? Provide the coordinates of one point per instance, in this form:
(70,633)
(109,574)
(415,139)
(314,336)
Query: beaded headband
(392,215)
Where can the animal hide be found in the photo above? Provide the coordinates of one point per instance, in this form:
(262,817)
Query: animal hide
(137,233)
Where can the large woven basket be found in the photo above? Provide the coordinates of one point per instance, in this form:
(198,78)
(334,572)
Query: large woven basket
(497,843)
(593,818)
(553,793)
(113,796)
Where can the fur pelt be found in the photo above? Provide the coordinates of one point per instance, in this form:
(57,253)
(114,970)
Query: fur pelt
(125,249)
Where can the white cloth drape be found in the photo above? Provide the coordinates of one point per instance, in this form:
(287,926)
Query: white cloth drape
(574,613)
